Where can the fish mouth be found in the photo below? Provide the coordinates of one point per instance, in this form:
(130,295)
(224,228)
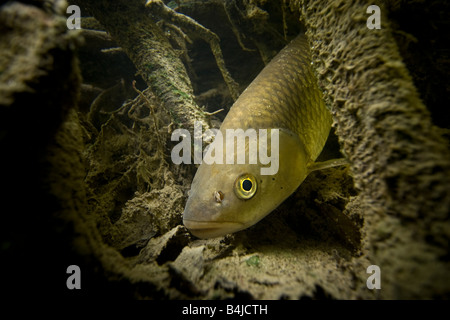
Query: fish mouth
(208,229)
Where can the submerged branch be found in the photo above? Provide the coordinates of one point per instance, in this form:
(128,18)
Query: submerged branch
(160,9)
(147,47)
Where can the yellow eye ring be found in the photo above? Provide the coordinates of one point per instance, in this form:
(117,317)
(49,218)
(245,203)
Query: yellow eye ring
(245,186)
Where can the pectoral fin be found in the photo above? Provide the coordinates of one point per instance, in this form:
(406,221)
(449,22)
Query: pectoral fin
(327,164)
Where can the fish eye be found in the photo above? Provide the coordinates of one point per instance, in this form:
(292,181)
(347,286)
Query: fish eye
(245,186)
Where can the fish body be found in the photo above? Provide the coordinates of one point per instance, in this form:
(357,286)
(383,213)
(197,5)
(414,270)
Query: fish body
(225,198)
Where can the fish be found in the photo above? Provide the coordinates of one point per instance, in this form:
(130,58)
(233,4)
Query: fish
(226,198)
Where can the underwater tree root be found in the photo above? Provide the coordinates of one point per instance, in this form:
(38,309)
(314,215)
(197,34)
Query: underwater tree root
(400,162)
(160,9)
(150,51)
(160,145)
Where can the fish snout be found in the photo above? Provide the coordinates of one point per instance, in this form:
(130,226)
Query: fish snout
(204,217)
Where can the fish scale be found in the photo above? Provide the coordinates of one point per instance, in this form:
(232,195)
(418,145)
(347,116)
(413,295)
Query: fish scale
(285,95)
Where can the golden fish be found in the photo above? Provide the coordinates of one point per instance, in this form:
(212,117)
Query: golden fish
(225,198)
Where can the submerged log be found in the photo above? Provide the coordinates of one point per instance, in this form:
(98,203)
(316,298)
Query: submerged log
(400,161)
(131,26)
